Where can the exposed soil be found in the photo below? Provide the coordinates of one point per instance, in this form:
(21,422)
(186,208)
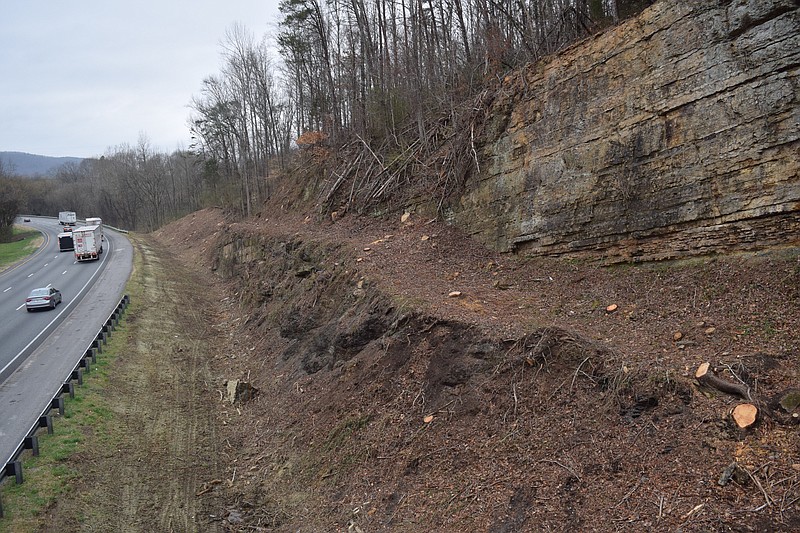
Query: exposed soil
(387,402)
(406,379)
(154,443)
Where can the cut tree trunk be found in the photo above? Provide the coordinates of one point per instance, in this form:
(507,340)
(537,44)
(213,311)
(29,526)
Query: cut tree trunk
(705,376)
(745,415)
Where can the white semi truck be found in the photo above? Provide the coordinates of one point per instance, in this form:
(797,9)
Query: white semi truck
(88,243)
(67,218)
(96,221)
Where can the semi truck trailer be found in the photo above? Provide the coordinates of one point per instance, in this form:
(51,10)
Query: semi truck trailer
(67,218)
(65,242)
(88,243)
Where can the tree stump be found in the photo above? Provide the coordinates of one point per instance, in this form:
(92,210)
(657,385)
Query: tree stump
(744,415)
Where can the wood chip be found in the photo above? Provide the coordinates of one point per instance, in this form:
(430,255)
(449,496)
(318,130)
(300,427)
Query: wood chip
(454,294)
(611,308)
(428,419)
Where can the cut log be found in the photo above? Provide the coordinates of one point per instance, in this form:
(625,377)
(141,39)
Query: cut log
(745,415)
(705,376)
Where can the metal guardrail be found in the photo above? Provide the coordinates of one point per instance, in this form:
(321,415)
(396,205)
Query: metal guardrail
(13,465)
(118,230)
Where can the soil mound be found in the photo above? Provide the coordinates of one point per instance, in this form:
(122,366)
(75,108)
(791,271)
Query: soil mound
(410,379)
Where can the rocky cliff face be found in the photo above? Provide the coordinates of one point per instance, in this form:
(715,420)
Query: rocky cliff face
(677,133)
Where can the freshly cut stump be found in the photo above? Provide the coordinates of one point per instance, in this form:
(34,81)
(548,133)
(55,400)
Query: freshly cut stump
(745,415)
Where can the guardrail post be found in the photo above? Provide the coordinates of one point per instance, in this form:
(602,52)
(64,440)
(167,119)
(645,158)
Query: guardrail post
(31,443)
(14,468)
(46,421)
(58,403)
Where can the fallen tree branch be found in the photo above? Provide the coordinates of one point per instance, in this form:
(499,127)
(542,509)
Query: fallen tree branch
(705,376)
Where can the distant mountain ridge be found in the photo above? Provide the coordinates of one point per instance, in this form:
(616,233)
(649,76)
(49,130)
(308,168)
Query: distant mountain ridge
(32,165)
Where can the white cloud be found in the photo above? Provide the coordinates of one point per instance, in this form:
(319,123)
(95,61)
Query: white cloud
(79,77)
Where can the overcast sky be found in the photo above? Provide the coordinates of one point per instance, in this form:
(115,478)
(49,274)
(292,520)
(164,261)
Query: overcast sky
(77,78)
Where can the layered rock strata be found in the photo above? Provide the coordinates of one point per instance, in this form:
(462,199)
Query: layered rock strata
(674,134)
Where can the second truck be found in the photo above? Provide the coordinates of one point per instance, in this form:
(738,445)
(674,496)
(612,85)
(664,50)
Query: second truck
(88,241)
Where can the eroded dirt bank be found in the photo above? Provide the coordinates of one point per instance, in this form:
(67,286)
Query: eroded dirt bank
(410,380)
(387,402)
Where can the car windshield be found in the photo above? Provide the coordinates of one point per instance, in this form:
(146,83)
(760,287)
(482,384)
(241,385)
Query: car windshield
(40,292)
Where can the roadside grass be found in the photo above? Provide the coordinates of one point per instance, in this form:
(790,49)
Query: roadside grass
(88,424)
(49,476)
(27,241)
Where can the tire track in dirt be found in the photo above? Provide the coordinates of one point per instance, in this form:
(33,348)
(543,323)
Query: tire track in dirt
(160,394)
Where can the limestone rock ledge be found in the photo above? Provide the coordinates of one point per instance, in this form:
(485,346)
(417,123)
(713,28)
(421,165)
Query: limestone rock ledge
(674,134)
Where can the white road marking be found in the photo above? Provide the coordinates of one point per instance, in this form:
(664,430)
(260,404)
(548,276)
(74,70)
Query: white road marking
(63,310)
(46,264)
(63,272)
(8,289)
(30,275)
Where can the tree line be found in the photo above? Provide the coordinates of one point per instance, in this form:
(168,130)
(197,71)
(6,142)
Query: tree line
(390,86)
(130,187)
(395,90)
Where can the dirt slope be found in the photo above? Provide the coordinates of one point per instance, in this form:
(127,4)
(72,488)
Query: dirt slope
(408,379)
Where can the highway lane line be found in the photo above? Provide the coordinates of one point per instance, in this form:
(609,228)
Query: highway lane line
(8,289)
(63,272)
(64,310)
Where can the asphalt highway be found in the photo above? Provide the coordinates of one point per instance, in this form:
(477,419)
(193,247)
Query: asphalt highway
(39,349)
